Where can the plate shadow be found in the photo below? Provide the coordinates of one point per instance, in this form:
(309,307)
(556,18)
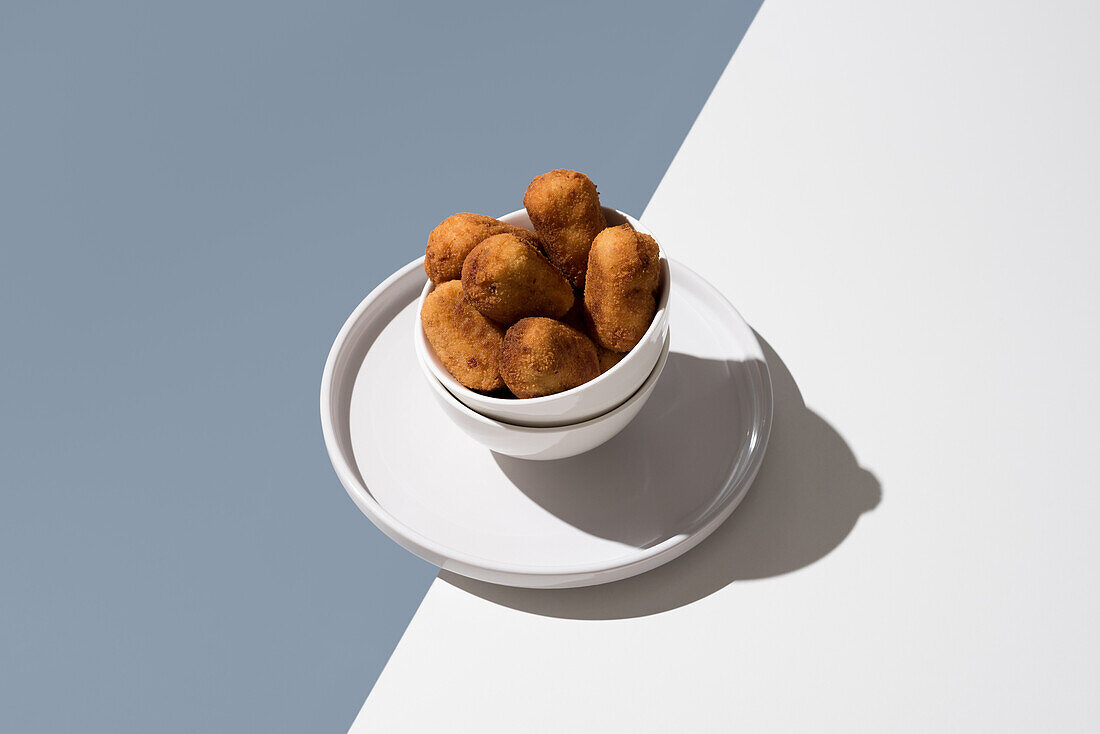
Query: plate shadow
(806,499)
(656,478)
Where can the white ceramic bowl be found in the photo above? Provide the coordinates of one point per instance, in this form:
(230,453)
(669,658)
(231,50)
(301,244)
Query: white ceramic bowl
(551,442)
(582,403)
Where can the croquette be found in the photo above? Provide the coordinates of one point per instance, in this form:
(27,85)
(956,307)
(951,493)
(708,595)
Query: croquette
(452,240)
(624,271)
(564,208)
(541,356)
(507,279)
(467,342)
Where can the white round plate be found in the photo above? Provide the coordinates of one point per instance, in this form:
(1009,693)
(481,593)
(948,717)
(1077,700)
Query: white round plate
(639,500)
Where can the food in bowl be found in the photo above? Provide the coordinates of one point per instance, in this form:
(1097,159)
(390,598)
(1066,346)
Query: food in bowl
(542,356)
(565,211)
(507,279)
(466,341)
(624,270)
(513,279)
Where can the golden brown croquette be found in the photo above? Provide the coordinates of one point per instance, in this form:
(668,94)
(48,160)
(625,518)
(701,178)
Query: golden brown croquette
(467,342)
(507,279)
(624,270)
(564,208)
(541,356)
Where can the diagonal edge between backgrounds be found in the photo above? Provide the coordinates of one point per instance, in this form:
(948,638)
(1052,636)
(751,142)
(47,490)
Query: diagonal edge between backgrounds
(359,723)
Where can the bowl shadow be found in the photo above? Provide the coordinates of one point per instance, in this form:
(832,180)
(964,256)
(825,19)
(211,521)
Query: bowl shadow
(653,477)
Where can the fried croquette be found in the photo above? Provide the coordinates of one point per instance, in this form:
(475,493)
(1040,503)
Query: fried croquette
(507,279)
(467,342)
(541,356)
(452,240)
(564,208)
(624,271)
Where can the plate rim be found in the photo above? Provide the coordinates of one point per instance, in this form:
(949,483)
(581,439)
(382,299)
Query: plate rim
(524,575)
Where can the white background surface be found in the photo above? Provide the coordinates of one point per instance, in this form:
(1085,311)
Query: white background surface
(903,200)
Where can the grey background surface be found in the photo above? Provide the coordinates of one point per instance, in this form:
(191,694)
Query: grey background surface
(192,199)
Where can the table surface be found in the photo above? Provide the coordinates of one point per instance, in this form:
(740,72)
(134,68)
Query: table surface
(902,200)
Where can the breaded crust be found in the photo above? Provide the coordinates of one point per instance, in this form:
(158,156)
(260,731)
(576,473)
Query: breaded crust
(467,342)
(507,279)
(541,356)
(624,270)
(452,240)
(564,208)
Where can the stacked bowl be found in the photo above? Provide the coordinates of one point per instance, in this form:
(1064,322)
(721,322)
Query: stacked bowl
(567,423)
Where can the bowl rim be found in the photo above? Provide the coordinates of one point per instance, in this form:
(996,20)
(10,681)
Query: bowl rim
(454,386)
(647,383)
